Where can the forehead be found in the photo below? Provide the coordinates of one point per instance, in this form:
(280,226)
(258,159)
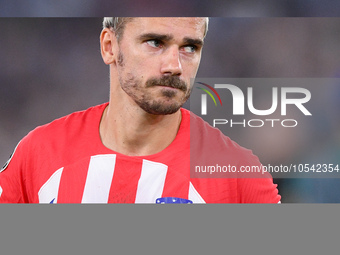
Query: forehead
(185,27)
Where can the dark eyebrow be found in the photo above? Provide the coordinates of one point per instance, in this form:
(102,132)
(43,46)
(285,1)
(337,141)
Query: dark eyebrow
(161,37)
(188,40)
(167,37)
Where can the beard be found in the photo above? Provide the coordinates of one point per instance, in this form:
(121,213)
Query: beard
(163,104)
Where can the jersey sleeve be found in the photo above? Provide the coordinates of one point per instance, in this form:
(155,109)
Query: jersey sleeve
(12,188)
(257,186)
(258,190)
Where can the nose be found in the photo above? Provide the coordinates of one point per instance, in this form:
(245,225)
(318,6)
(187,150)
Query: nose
(171,64)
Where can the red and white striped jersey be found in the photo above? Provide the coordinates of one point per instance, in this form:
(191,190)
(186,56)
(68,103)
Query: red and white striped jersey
(66,162)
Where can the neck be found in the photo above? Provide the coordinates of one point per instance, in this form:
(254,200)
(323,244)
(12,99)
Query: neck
(127,129)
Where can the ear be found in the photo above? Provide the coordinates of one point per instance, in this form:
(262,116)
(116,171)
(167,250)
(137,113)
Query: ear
(108,44)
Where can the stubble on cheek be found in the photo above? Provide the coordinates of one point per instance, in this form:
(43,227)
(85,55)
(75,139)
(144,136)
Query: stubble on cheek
(144,97)
(120,59)
(130,85)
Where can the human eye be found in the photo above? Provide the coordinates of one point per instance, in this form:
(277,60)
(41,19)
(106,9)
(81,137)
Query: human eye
(154,43)
(190,49)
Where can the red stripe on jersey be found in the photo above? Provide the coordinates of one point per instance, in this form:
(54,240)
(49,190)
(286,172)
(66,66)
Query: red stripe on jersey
(177,184)
(125,180)
(72,182)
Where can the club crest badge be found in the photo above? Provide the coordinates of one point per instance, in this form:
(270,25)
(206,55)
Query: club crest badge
(172,200)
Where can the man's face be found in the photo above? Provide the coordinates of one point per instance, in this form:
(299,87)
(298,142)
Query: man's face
(157,57)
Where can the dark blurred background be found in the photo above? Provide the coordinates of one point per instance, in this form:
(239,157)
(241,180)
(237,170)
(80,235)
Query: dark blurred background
(221,8)
(51,67)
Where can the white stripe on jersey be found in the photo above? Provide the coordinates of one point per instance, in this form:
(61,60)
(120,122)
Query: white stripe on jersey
(0,191)
(194,196)
(99,179)
(48,193)
(151,183)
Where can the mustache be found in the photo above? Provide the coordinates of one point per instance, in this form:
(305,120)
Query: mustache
(168,81)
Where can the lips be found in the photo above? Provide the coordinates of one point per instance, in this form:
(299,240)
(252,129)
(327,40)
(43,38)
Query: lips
(167,86)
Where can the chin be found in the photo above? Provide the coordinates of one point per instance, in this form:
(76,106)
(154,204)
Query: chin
(161,108)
